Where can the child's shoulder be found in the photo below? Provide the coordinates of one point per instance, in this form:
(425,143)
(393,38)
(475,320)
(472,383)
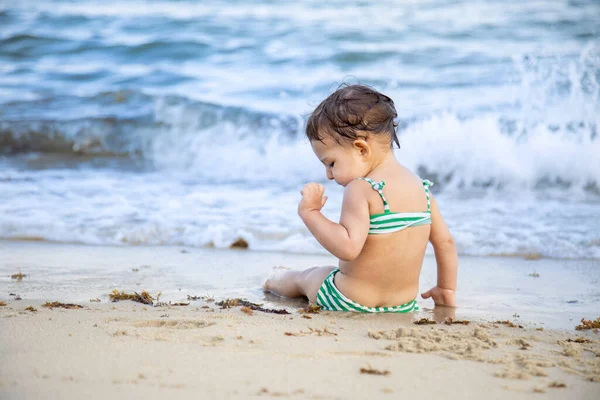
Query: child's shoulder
(362,185)
(359,188)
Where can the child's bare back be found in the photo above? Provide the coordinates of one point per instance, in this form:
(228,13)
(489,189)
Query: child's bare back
(388,214)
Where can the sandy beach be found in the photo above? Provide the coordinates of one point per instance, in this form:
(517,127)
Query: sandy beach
(126,349)
(130,350)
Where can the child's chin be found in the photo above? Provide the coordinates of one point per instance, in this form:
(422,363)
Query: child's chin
(344,183)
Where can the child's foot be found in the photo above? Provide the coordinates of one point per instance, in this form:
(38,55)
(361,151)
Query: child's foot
(275,274)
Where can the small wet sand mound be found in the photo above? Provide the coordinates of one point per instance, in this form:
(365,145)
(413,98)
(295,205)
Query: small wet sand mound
(465,344)
(521,357)
(177,324)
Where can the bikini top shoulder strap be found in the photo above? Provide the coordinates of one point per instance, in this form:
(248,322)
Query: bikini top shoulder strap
(378,186)
(426,185)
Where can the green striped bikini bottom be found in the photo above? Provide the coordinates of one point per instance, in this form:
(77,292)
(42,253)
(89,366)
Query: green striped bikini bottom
(331,299)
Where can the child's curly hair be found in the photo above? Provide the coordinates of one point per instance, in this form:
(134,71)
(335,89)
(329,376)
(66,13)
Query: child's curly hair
(350,110)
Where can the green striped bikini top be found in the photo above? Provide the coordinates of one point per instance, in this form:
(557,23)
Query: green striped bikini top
(388,222)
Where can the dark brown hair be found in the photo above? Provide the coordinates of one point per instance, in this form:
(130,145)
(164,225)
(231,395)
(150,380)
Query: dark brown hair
(352,109)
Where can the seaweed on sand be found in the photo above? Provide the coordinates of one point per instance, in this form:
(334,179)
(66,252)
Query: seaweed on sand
(508,323)
(557,385)
(143,297)
(452,321)
(206,298)
(310,309)
(579,340)
(588,324)
(228,303)
(18,276)
(424,321)
(2,304)
(372,371)
(247,310)
(32,309)
(57,304)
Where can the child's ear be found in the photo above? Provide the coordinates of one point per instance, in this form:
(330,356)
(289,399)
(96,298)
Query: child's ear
(363,147)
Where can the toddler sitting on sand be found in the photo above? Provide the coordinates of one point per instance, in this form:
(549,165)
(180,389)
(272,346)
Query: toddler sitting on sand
(388,214)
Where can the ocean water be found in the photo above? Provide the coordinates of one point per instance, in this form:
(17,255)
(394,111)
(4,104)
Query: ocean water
(181,123)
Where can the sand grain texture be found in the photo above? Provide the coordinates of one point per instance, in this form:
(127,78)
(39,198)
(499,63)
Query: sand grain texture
(130,350)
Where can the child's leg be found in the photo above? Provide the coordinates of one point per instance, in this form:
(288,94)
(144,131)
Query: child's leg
(298,283)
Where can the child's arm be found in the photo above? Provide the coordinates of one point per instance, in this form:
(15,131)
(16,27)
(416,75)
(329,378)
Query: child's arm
(346,239)
(444,293)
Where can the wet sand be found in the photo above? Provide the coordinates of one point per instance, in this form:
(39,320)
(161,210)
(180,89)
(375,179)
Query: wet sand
(542,292)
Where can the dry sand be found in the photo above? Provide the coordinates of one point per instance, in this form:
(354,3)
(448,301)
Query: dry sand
(130,350)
